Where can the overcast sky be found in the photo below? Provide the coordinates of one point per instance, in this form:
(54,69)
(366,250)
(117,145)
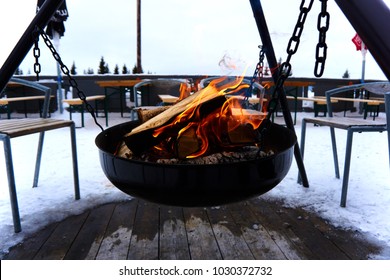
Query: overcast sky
(185,37)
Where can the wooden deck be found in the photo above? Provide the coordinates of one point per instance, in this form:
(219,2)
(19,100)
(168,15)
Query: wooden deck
(255,229)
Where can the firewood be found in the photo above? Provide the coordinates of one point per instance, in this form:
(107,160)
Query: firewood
(190,109)
(141,138)
(123,151)
(187,143)
(144,114)
(197,98)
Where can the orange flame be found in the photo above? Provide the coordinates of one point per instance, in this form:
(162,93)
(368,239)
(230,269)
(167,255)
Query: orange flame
(211,128)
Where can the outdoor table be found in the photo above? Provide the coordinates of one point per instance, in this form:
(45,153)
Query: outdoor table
(367,103)
(112,87)
(294,85)
(169,99)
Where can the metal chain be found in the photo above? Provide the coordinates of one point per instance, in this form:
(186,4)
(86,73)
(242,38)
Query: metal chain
(72,81)
(322,27)
(37,54)
(292,47)
(258,73)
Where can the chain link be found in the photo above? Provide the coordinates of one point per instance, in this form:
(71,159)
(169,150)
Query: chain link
(292,47)
(258,73)
(72,81)
(37,54)
(322,27)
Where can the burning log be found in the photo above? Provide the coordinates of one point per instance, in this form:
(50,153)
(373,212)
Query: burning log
(145,114)
(204,122)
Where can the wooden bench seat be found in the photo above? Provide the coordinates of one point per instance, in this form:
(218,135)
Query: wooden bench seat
(76,104)
(20,127)
(6,101)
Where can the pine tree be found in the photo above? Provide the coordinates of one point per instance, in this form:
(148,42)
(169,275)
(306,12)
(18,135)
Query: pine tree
(103,67)
(73,69)
(18,71)
(116,69)
(346,74)
(90,71)
(124,70)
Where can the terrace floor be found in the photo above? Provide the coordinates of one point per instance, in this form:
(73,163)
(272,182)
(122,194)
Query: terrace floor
(254,229)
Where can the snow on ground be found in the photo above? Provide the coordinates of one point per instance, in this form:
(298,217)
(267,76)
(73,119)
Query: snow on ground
(367,208)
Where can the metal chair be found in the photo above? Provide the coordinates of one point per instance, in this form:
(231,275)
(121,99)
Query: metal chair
(20,127)
(351,125)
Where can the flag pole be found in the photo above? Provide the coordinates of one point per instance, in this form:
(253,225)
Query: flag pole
(364,52)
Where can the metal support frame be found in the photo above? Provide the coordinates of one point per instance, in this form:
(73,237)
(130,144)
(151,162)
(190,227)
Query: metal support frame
(27,40)
(273,64)
(371,21)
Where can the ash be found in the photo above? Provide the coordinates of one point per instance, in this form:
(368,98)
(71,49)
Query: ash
(243,154)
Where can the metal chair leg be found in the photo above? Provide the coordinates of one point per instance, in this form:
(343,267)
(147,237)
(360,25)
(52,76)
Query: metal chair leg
(347,165)
(11,184)
(75,164)
(38,160)
(334,149)
(302,146)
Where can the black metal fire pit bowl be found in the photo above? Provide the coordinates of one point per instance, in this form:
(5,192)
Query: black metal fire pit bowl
(191,185)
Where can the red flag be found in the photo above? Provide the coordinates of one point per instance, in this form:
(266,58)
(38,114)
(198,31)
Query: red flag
(358,42)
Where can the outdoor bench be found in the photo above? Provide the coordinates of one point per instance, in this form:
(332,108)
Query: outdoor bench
(77,105)
(4,102)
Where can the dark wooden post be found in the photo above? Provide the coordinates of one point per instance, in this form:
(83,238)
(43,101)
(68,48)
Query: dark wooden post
(139,65)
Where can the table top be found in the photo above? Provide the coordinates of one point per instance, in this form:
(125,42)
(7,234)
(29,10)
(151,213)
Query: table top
(290,84)
(78,101)
(166,98)
(5,101)
(374,101)
(118,83)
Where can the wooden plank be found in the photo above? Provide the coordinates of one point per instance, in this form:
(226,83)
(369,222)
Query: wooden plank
(27,249)
(358,100)
(322,248)
(116,242)
(288,242)
(145,235)
(60,240)
(173,236)
(228,235)
(78,101)
(6,101)
(345,123)
(201,240)
(20,127)
(166,98)
(261,244)
(87,242)
(118,83)
(289,84)
(360,249)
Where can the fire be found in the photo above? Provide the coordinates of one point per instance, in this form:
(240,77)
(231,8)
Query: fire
(184,91)
(213,121)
